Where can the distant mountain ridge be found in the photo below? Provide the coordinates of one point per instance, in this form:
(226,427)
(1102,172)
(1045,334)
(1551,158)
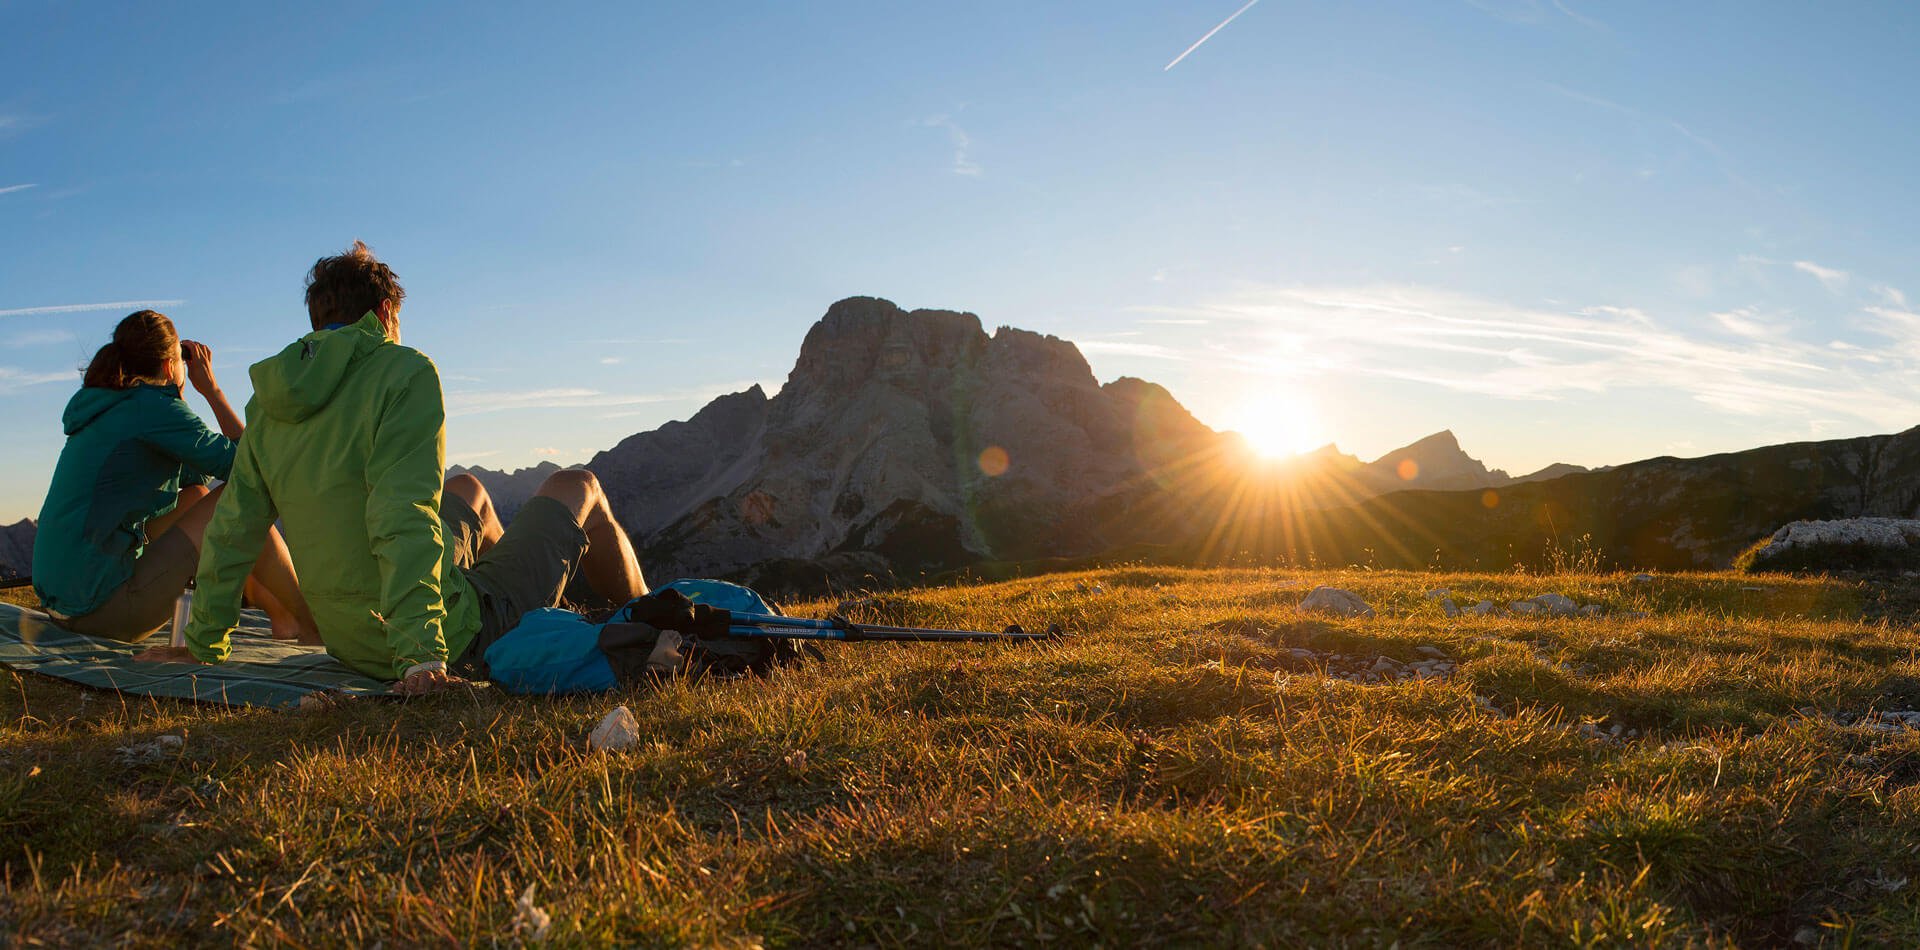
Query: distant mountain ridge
(915,441)
(1661,513)
(16,548)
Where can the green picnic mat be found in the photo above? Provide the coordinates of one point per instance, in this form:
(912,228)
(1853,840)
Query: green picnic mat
(262,671)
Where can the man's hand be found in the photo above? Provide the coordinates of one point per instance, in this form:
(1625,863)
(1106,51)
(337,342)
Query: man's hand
(427,681)
(199,362)
(166,654)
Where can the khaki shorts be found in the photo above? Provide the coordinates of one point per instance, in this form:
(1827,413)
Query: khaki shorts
(527,569)
(144,603)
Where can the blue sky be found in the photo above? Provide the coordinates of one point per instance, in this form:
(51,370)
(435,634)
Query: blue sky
(1569,231)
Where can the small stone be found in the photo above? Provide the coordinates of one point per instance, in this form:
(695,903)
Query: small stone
(1557,604)
(1523,607)
(617,730)
(1452,609)
(1384,665)
(1437,593)
(1641,579)
(1301,654)
(529,920)
(1430,650)
(1332,600)
(1481,609)
(1592,610)
(1098,589)
(169,741)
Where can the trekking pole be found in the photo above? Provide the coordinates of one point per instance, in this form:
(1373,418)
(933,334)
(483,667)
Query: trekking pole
(842,629)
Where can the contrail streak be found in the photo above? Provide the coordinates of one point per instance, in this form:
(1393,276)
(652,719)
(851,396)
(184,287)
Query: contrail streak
(86,307)
(1222,26)
(10,189)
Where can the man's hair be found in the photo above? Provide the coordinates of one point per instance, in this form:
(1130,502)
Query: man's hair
(342,288)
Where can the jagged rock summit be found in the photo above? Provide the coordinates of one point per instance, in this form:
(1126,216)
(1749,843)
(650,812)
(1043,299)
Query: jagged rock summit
(901,440)
(16,548)
(1438,462)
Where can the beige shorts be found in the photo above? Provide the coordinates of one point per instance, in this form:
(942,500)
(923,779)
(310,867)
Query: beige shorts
(144,603)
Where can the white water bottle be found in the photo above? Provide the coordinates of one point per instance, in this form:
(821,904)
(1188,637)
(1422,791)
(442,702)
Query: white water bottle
(182,609)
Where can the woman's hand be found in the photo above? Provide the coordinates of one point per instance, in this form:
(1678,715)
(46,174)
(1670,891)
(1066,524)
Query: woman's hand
(199,362)
(165,654)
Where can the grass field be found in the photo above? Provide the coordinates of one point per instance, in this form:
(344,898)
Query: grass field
(1172,773)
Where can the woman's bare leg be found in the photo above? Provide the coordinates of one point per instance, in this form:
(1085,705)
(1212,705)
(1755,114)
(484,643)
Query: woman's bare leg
(272,576)
(182,503)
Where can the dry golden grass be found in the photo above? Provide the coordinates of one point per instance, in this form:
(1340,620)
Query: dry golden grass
(1169,774)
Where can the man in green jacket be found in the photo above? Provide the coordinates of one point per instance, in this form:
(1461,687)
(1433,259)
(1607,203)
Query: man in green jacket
(346,446)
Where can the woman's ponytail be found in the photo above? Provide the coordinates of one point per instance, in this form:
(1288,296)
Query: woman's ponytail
(105,371)
(143,344)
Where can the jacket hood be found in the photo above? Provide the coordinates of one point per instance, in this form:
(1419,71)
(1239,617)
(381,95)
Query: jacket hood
(92,401)
(301,379)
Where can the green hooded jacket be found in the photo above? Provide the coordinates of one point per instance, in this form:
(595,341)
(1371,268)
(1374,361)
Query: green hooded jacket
(346,447)
(128,451)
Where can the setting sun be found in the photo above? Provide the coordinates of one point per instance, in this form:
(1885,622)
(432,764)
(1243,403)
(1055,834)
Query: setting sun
(1279,425)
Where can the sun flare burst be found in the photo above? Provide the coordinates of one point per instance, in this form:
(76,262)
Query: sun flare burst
(1277,426)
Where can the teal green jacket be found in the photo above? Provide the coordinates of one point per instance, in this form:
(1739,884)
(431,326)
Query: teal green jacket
(346,447)
(128,451)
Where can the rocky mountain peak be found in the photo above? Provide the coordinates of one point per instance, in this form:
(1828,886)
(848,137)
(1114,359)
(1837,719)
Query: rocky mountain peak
(1437,461)
(16,548)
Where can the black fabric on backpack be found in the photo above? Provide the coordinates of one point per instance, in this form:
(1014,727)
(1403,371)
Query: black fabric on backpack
(631,641)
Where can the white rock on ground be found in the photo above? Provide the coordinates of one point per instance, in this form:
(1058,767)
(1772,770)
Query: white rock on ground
(1558,605)
(1452,609)
(1333,600)
(1642,579)
(1437,593)
(1481,609)
(1877,532)
(617,730)
(529,920)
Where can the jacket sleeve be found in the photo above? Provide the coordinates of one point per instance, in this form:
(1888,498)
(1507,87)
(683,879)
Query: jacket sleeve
(177,431)
(241,518)
(405,469)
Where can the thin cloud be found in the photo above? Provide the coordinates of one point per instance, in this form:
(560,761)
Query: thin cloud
(484,401)
(90,307)
(1151,351)
(10,189)
(1586,21)
(962,142)
(1830,278)
(1197,43)
(39,338)
(1747,322)
(12,378)
(1699,141)
(1469,344)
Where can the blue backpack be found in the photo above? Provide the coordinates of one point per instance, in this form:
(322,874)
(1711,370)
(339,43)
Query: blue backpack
(679,629)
